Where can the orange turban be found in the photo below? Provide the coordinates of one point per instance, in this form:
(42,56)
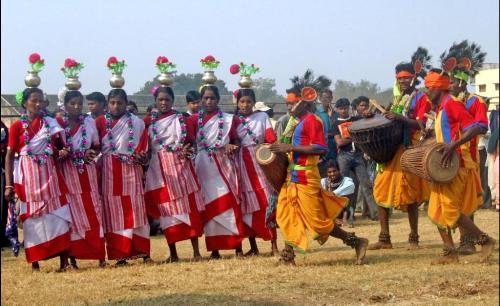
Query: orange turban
(404,74)
(435,80)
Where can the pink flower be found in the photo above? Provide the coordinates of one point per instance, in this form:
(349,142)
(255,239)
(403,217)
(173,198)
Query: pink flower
(69,62)
(112,60)
(35,57)
(161,60)
(209,58)
(234,69)
(154,89)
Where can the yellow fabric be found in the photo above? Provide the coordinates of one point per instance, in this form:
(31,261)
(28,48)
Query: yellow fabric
(398,189)
(462,195)
(307,207)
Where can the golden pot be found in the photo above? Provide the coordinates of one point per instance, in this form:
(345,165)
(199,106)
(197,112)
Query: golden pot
(245,82)
(32,79)
(209,78)
(72,83)
(165,78)
(116,81)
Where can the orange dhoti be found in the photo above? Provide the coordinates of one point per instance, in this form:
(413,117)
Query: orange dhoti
(302,207)
(448,201)
(396,188)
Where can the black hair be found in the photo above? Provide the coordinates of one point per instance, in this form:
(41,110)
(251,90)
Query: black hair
(166,89)
(70,94)
(358,101)
(246,92)
(192,96)
(211,88)
(326,90)
(332,163)
(150,108)
(118,92)
(27,93)
(342,102)
(405,67)
(270,113)
(97,96)
(132,103)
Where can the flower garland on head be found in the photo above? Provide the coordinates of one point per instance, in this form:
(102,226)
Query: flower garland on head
(77,156)
(176,147)
(41,159)
(202,139)
(246,128)
(125,158)
(71,68)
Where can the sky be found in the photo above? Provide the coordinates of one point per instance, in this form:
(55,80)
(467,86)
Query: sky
(342,39)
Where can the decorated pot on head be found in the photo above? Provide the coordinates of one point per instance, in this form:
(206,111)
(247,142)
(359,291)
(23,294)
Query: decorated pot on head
(71,69)
(166,69)
(32,79)
(209,64)
(116,67)
(245,72)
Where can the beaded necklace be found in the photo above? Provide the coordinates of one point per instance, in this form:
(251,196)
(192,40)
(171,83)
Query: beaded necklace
(78,155)
(202,136)
(246,128)
(173,147)
(41,159)
(126,158)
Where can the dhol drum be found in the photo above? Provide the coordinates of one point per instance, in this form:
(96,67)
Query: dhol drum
(424,160)
(274,166)
(378,137)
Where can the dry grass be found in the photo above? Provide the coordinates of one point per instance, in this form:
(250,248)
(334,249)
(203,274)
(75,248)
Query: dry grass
(326,276)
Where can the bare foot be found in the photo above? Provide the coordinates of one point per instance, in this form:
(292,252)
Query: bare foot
(102,263)
(148,260)
(487,249)
(445,259)
(35,267)
(121,263)
(252,252)
(380,245)
(172,259)
(275,252)
(197,257)
(215,255)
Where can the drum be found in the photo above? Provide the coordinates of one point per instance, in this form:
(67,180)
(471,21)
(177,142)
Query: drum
(274,166)
(377,137)
(424,160)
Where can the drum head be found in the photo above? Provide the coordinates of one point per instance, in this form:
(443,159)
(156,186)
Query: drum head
(437,172)
(264,155)
(368,123)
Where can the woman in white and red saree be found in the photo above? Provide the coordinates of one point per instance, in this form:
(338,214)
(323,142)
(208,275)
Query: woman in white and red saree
(124,143)
(37,182)
(217,172)
(173,193)
(81,176)
(254,129)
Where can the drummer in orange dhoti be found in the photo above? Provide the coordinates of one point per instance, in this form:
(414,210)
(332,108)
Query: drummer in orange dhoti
(302,203)
(393,187)
(451,204)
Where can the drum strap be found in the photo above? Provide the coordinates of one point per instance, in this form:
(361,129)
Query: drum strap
(298,167)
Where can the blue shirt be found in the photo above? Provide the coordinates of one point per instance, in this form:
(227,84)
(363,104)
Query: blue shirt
(332,147)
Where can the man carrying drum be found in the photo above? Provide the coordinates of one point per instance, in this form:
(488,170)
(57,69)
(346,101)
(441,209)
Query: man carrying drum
(302,203)
(451,204)
(393,187)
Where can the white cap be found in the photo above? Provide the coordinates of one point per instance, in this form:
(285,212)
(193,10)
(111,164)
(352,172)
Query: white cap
(261,106)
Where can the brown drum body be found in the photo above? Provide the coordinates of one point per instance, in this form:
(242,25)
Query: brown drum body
(425,161)
(377,137)
(274,166)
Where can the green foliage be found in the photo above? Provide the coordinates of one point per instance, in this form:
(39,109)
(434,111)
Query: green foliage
(346,89)
(264,90)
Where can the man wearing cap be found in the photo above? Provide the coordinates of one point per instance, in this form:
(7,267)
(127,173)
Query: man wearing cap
(451,204)
(262,107)
(302,204)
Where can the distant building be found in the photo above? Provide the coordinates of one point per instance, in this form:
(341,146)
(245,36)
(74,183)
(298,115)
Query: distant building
(486,82)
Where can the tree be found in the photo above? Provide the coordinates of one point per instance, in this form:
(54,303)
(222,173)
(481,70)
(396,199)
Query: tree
(346,89)
(264,90)
(183,83)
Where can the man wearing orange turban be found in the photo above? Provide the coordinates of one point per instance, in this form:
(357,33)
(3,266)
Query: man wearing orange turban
(451,204)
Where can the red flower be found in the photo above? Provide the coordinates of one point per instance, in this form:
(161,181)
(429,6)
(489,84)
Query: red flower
(209,58)
(112,60)
(234,69)
(69,62)
(35,57)
(161,60)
